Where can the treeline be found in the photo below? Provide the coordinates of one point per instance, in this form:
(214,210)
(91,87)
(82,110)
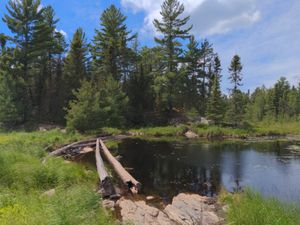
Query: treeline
(112,81)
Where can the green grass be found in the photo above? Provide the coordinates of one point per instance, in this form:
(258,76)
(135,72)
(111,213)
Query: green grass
(213,131)
(25,175)
(159,131)
(250,208)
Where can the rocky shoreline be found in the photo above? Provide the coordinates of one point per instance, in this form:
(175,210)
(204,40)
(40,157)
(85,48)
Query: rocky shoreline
(185,209)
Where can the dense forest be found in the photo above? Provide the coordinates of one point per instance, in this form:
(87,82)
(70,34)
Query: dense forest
(113,81)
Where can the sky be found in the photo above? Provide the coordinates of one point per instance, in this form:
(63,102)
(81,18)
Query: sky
(265,33)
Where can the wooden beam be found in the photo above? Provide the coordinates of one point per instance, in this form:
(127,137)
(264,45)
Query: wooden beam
(127,179)
(107,188)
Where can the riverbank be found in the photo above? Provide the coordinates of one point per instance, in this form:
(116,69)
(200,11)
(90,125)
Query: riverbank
(256,131)
(38,191)
(53,191)
(251,208)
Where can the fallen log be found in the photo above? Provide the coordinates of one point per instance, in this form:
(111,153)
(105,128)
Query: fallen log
(107,188)
(62,150)
(127,179)
(81,144)
(86,150)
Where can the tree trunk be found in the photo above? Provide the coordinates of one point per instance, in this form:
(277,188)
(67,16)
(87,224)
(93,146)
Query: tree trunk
(127,179)
(107,188)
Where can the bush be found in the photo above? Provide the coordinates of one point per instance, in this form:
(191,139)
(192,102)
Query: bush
(95,108)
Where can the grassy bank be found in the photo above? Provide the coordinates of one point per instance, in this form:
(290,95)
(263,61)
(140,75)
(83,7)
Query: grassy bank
(212,131)
(250,208)
(25,176)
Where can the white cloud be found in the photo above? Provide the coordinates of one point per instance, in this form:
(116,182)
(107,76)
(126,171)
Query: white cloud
(207,16)
(268,50)
(62,32)
(268,43)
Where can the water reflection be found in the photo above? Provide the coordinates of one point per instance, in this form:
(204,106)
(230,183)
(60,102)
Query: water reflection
(167,168)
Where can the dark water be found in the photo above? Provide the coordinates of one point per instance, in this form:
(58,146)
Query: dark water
(167,168)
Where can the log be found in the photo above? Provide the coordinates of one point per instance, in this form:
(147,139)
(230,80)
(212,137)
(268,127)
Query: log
(127,179)
(80,144)
(62,150)
(86,150)
(107,188)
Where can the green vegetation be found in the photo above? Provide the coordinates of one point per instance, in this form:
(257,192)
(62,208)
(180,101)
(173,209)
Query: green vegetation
(25,174)
(214,131)
(251,208)
(159,131)
(111,81)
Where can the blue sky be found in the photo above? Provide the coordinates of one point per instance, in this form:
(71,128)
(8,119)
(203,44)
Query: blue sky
(265,33)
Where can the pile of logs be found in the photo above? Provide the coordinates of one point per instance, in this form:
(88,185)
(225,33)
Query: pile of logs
(97,145)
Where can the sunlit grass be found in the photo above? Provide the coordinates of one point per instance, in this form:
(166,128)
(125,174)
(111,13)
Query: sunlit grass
(25,174)
(250,208)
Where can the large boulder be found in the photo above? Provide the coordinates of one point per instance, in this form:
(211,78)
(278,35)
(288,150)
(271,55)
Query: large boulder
(186,209)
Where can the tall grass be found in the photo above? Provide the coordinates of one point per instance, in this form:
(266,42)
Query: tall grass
(159,131)
(25,176)
(251,208)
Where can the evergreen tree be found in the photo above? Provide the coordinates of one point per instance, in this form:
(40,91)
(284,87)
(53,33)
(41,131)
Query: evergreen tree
(235,70)
(205,76)
(11,89)
(110,51)
(190,79)
(237,104)
(75,65)
(280,98)
(21,19)
(96,107)
(172,28)
(215,108)
(257,107)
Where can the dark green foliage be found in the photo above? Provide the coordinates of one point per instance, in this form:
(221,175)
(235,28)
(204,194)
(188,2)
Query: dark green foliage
(237,101)
(97,106)
(110,51)
(235,70)
(75,65)
(123,84)
(215,109)
(172,29)
(11,88)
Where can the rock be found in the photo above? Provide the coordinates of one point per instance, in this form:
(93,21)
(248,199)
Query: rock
(49,193)
(108,204)
(186,209)
(191,135)
(189,209)
(149,198)
(139,213)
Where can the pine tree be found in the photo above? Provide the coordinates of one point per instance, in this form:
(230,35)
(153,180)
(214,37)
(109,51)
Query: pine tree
(237,104)
(110,51)
(190,79)
(205,76)
(45,48)
(172,28)
(21,20)
(11,89)
(75,66)
(215,110)
(94,107)
(235,70)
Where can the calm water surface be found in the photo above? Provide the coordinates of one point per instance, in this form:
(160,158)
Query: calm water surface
(167,168)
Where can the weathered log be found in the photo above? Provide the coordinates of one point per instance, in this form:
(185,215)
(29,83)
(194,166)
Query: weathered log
(107,188)
(87,143)
(62,150)
(127,179)
(86,150)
